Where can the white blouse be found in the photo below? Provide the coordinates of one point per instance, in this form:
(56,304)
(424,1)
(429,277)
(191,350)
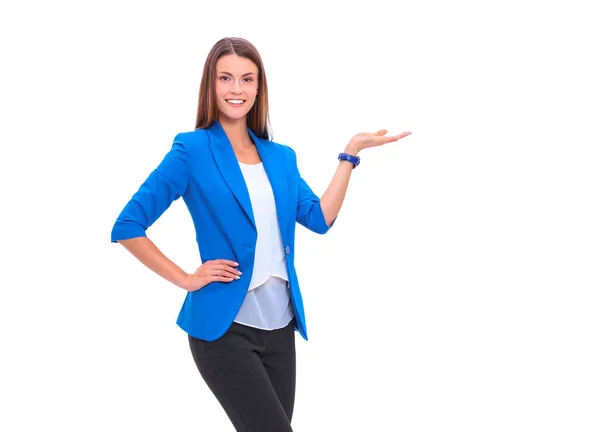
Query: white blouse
(268,303)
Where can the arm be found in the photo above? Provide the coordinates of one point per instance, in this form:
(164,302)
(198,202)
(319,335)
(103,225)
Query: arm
(148,254)
(163,186)
(319,215)
(333,198)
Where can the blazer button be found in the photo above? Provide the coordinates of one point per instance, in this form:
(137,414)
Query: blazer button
(287,250)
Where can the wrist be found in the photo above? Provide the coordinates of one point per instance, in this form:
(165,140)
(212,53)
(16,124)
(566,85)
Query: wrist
(182,280)
(352,149)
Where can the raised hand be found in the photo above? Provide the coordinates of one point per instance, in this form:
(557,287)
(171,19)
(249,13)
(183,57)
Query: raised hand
(365,140)
(219,270)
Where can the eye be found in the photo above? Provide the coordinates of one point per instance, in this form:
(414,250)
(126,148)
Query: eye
(248,79)
(224,77)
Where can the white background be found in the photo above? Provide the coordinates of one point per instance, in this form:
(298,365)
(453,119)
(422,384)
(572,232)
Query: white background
(459,288)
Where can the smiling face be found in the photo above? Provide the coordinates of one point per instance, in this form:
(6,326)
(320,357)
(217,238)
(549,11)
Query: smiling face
(236,86)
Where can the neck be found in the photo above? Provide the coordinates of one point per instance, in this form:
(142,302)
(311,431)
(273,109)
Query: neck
(236,131)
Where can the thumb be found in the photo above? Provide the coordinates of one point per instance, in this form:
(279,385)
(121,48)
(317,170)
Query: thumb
(381,132)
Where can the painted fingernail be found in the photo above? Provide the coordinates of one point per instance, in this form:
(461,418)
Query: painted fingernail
(237,277)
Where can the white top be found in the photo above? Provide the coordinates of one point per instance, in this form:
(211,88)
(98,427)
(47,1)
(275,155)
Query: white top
(267,304)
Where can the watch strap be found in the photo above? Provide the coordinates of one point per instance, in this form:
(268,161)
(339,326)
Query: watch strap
(355,160)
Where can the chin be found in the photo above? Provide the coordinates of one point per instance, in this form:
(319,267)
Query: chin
(235,115)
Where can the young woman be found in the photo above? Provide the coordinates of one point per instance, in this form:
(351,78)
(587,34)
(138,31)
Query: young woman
(245,195)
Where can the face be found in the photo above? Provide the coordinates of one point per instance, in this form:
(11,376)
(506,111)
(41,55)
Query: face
(236,86)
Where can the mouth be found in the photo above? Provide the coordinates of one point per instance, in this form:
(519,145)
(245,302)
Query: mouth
(235,102)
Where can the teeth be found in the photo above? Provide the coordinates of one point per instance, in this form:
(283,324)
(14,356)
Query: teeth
(235,101)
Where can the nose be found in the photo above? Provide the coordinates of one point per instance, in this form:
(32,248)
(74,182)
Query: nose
(235,88)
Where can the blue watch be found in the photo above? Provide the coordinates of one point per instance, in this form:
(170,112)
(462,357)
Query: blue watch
(355,160)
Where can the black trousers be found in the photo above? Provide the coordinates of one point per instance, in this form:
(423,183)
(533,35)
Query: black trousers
(252,373)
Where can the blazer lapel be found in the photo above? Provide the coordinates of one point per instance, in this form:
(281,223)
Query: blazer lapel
(229,167)
(274,167)
(232,174)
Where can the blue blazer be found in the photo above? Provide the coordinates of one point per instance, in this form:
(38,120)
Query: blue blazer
(202,168)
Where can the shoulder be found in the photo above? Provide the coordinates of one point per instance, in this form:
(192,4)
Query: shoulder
(194,137)
(286,151)
(194,142)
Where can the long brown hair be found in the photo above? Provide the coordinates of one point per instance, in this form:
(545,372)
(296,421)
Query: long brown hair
(257,118)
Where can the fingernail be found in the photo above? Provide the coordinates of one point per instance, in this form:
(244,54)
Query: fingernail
(239,272)
(237,277)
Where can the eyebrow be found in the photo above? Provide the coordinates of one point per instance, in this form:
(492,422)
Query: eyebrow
(248,73)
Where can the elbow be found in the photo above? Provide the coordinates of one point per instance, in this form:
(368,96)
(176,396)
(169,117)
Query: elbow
(125,230)
(327,217)
(314,218)
(328,224)
(329,221)
(322,224)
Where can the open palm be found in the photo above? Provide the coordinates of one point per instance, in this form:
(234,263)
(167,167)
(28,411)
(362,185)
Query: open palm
(365,140)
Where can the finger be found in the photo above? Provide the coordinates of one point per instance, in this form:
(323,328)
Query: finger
(222,279)
(225,262)
(216,270)
(226,271)
(381,132)
(385,140)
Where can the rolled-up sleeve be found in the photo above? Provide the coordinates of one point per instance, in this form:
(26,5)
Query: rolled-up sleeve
(167,183)
(309,213)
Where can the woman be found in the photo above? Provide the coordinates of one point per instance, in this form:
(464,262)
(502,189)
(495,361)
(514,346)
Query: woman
(245,195)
